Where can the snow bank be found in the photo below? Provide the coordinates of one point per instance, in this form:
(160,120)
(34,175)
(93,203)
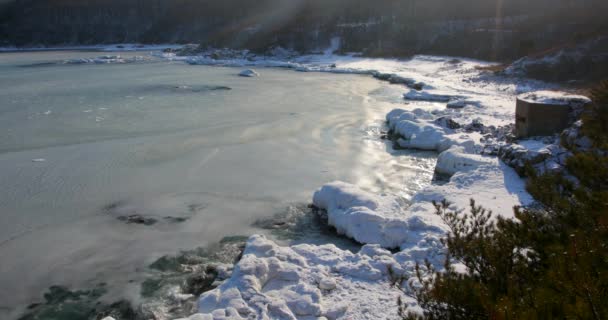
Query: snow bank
(249,73)
(554,97)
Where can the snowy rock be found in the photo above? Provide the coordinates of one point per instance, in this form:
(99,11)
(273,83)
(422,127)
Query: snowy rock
(456,104)
(427,96)
(456,160)
(362,216)
(327,284)
(447,122)
(249,73)
(415,130)
(532,152)
(396,79)
(461,103)
(274,282)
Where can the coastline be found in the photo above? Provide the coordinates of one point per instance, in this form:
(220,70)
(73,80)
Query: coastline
(328,283)
(449,107)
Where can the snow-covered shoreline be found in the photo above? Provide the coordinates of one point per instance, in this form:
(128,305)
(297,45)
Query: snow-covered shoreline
(444,104)
(454,109)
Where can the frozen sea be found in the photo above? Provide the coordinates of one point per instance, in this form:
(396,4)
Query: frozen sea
(81,144)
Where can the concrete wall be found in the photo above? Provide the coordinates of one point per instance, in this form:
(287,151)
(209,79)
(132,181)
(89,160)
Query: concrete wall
(539,119)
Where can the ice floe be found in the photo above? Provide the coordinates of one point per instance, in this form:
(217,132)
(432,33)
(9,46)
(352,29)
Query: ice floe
(249,73)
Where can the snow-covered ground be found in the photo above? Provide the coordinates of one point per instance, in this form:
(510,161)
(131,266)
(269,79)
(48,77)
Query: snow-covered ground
(449,106)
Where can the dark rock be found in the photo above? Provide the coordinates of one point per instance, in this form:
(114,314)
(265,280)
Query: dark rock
(64,304)
(175,219)
(396,79)
(447,122)
(476,126)
(193,272)
(201,282)
(137,219)
(129,214)
(304,223)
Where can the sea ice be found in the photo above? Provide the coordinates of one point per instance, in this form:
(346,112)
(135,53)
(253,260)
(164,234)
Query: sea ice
(249,73)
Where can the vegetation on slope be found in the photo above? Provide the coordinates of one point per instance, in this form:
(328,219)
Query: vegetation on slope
(551,263)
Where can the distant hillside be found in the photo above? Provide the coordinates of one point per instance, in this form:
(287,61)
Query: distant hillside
(489,29)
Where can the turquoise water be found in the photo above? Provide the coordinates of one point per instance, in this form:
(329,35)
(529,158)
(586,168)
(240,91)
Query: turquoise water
(81,145)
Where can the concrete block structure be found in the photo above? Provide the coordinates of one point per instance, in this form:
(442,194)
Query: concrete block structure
(545,113)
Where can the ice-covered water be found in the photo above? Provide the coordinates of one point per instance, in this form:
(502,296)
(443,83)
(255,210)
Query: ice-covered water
(83,143)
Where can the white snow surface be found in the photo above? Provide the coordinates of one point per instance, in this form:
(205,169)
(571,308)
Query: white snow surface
(362,216)
(305,282)
(322,281)
(553,97)
(456,160)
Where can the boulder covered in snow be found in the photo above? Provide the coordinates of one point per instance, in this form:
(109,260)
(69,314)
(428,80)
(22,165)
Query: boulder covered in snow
(461,103)
(418,129)
(249,73)
(363,216)
(427,96)
(456,160)
(397,79)
(306,282)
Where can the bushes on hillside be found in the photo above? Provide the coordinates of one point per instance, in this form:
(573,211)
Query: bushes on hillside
(550,263)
